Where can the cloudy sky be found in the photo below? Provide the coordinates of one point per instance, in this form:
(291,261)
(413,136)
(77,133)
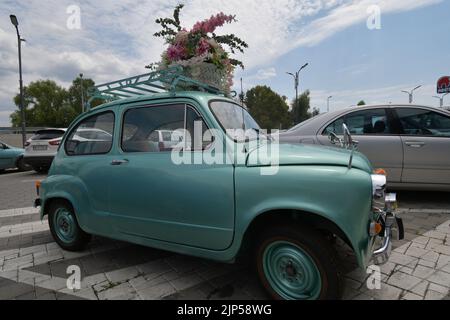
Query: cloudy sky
(347,59)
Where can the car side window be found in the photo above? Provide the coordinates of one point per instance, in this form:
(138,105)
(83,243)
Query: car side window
(93,135)
(159,128)
(423,122)
(365,122)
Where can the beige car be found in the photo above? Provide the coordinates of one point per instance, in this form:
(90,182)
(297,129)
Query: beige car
(412,143)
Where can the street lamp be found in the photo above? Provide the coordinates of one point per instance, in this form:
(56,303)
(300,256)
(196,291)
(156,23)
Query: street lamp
(82,93)
(328,103)
(441,99)
(296,77)
(15,23)
(411,93)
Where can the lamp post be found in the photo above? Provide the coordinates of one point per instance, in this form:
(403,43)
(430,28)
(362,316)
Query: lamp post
(82,93)
(328,103)
(441,99)
(296,77)
(15,23)
(411,93)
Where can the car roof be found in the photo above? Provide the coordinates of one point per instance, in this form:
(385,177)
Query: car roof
(51,129)
(311,125)
(196,95)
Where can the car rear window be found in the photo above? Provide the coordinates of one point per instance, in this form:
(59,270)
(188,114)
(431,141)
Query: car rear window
(48,134)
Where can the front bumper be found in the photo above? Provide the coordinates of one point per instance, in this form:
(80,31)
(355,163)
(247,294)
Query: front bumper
(393,229)
(39,161)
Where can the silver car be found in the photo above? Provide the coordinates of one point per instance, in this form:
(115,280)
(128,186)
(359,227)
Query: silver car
(412,143)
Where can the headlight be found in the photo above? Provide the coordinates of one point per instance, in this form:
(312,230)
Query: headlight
(378,185)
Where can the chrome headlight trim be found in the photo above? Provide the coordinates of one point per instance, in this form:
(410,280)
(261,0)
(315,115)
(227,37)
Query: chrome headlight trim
(378,185)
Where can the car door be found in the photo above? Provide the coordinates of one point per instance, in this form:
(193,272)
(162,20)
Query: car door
(7,157)
(154,197)
(87,160)
(377,136)
(426,143)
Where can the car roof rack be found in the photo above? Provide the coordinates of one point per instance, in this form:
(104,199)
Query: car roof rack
(168,80)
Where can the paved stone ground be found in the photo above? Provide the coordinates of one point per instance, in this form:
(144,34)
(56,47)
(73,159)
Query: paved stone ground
(32,266)
(17,189)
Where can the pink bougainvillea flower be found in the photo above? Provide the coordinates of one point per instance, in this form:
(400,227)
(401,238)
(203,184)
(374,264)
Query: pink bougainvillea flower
(210,25)
(176,52)
(203,46)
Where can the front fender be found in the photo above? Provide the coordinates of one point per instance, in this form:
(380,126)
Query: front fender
(335,193)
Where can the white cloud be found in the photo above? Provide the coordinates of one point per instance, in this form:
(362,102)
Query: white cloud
(116,39)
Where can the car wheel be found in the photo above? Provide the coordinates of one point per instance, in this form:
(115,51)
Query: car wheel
(22,166)
(65,228)
(296,263)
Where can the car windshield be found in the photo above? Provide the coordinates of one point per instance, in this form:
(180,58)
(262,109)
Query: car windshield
(233,118)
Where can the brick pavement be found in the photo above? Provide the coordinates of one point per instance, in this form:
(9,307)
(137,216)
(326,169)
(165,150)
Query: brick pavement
(32,266)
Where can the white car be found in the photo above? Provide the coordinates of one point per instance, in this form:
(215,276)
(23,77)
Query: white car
(166,139)
(43,146)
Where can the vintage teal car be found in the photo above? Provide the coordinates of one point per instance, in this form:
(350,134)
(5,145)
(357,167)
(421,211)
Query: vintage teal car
(129,187)
(11,157)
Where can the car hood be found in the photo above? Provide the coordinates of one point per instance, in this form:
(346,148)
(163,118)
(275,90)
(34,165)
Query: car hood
(300,154)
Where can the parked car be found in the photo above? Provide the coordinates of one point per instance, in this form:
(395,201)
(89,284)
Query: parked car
(122,189)
(411,142)
(42,147)
(165,139)
(11,157)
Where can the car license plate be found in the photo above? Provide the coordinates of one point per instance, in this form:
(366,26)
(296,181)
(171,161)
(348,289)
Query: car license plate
(39,148)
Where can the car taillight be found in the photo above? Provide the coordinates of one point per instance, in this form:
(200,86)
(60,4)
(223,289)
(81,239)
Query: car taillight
(54,142)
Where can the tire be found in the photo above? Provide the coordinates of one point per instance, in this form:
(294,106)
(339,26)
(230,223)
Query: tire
(297,263)
(65,228)
(22,166)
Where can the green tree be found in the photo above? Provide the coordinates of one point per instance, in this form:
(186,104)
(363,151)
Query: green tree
(300,108)
(362,103)
(268,108)
(315,112)
(74,97)
(49,105)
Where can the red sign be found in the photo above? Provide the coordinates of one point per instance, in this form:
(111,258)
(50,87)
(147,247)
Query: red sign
(443,85)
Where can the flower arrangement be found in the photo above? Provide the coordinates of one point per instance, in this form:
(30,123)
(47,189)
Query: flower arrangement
(200,51)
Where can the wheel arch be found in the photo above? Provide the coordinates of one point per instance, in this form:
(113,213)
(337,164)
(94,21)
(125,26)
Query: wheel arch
(289,216)
(46,205)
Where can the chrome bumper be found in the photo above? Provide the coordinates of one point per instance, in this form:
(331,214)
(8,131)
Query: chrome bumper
(393,229)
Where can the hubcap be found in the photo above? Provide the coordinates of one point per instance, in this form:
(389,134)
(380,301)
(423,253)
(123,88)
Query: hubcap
(65,227)
(291,272)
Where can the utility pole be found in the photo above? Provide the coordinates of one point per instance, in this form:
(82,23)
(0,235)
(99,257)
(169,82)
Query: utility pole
(296,77)
(441,99)
(15,23)
(411,93)
(82,93)
(328,103)
(241,95)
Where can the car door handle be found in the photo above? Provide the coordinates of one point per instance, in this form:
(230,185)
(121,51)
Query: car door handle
(119,162)
(415,144)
